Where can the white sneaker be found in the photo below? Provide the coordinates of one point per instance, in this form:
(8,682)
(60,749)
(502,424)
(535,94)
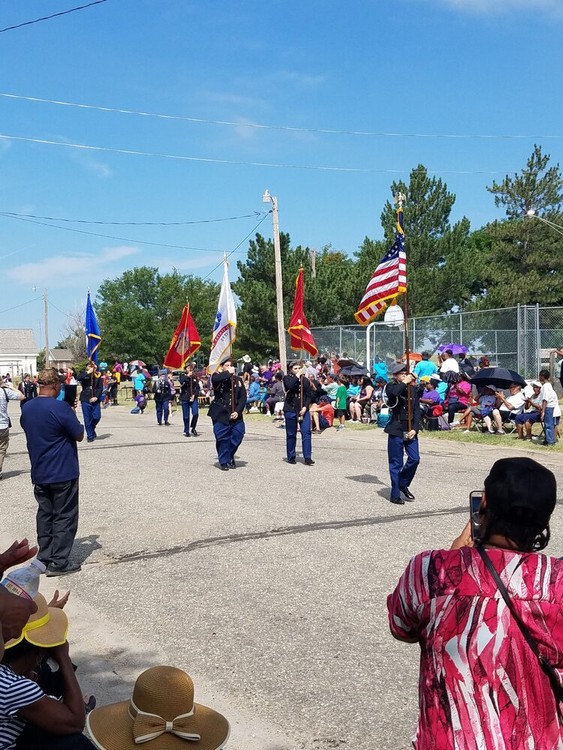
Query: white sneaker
(491,432)
(501,432)
(340,427)
(466,431)
(455,423)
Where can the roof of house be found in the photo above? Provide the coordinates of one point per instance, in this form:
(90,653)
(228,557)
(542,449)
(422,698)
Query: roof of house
(16,341)
(61,355)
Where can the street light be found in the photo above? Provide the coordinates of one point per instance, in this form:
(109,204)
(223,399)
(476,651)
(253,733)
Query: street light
(531,214)
(267,198)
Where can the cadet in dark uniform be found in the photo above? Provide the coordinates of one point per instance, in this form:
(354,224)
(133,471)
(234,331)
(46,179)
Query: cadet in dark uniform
(298,396)
(92,387)
(227,407)
(400,438)
(189,392)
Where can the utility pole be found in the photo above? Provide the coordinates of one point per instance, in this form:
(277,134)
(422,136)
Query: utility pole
(267,198)
(313,254)
(46,327)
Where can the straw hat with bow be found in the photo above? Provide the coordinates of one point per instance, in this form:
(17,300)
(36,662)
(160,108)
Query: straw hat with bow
(161,715)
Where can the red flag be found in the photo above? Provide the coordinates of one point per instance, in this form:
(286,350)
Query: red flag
(185,342)
(389,278)
(299,331)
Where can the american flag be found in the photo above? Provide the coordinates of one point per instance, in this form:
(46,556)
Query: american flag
(389,279)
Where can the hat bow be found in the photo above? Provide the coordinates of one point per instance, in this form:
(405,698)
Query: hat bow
(147,727)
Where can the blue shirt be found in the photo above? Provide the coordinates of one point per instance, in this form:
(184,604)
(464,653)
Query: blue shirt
(51,429)
(442,389)
(425,368)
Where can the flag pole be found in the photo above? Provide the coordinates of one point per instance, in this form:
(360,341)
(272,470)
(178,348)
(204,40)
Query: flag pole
(225,265)
(400,198)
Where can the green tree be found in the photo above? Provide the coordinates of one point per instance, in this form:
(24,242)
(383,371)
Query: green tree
(329,295)
(441,272)
(523,260)
(139,311)
(535,188)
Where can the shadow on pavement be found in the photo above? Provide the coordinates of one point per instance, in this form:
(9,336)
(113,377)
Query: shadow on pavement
(84,547)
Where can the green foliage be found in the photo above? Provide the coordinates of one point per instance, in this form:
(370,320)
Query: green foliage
(523,260)
(330,296)
(41,359)
(139,311)
(524,264)
(438,255)
(536,187)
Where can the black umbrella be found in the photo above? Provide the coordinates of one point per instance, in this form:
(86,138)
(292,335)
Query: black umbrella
(353,370)
(348,363)
(499,376)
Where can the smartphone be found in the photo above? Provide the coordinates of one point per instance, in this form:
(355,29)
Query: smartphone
(475,498)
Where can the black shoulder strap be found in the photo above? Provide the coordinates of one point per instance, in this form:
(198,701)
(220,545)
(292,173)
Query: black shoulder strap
(544,663)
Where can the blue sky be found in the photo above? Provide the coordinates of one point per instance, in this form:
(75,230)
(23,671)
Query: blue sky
(421,69)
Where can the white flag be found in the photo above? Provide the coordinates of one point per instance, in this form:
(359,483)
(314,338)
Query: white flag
(225,328)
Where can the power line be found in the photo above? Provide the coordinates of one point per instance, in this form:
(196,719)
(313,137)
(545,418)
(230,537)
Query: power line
(14,215)
(287,128)
(110,236)
(270,165)
(237,247)
(53,15)
(8,309)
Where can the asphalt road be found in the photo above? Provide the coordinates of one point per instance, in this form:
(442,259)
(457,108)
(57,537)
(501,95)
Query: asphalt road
(268,584)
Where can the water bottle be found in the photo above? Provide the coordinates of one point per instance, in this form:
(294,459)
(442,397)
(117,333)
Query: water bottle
(25,581)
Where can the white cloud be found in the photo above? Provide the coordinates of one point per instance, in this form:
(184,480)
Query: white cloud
(89,163)
(553,8)
(67,270)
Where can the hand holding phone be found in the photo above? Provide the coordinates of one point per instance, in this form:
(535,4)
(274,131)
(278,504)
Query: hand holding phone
(475,498)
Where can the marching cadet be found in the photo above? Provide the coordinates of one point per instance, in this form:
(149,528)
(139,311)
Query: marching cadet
(227,407)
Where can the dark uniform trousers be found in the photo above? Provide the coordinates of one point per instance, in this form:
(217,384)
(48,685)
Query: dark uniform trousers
(291,425)
(57,520)
(228,432)
(402,472)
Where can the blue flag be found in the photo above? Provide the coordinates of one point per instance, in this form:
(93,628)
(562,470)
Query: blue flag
(93,338)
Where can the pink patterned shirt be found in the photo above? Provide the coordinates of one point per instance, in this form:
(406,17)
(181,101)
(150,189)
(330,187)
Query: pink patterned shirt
(480,685)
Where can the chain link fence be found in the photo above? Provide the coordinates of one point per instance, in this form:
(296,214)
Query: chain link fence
(521,338)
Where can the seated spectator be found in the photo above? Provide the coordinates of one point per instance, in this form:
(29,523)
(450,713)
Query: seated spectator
(430,398)
(449,367)
(475,663)
(508,407)
(316,389)
(466,365)
(441,387)
(322,414)
(459,396)
(161,713)
(483,409)
(483,362)
(377,401)
(531,414)
(275,392)
(30,719)
(330,386)
(425,368)
(380,369)
(358,403)
(253,395)
(352,391)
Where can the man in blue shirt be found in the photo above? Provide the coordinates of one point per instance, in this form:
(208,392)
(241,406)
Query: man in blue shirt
(425,368)
(52,432)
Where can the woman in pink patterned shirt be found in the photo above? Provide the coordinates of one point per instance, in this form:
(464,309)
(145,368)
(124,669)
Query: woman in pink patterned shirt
(481,687)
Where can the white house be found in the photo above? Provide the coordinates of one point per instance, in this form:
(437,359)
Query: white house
(18,351)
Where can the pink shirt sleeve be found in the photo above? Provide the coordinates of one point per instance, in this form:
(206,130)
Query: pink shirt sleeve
(404,605)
